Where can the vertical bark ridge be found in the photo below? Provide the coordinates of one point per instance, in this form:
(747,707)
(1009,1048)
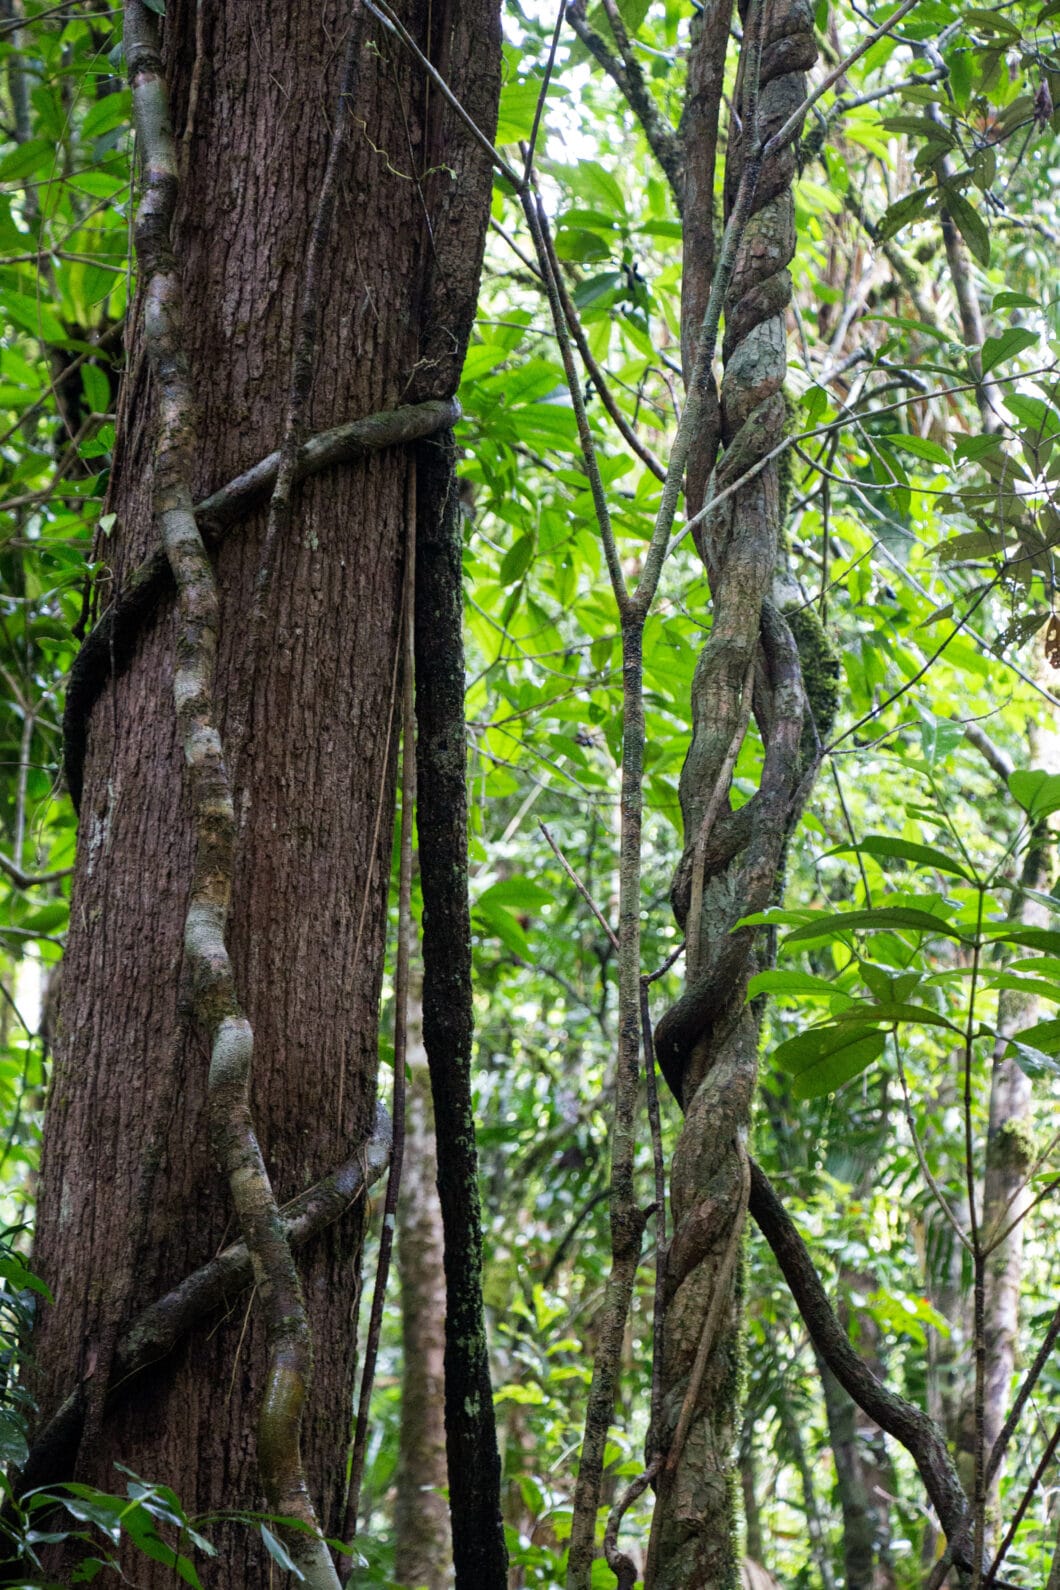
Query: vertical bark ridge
(214,1002)
(707,1043)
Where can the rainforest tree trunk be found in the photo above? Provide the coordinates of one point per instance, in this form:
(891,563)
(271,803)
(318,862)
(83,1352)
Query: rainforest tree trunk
(131,1197)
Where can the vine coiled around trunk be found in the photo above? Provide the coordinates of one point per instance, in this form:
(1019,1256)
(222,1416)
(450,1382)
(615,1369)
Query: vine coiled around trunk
(707,1042)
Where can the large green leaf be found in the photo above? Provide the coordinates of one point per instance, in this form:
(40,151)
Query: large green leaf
(883,845)
(882,919)
(822,1059)
(1036,791)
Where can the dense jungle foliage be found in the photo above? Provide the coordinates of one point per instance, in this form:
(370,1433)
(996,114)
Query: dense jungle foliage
(917,945)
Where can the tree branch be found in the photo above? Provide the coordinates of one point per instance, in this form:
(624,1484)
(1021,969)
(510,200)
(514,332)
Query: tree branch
(30,880)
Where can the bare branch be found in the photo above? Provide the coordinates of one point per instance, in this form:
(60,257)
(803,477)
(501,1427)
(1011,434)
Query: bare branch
(30,880)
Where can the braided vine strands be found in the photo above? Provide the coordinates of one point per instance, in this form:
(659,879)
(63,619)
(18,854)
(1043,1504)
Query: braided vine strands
(212,989)
(707,1043)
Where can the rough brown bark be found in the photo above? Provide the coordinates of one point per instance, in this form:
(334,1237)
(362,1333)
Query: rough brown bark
(421,1517)
(254,93)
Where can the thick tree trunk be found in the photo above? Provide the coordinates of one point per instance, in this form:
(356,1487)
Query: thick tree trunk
(421,1517)
(131,1198)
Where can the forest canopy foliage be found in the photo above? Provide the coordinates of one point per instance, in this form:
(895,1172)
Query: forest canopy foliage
(907,970)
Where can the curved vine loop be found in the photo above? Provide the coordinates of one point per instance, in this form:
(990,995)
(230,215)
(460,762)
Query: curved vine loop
(213,996)
(732,863)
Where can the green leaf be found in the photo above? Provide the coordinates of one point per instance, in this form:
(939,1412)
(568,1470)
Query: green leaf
(13,1445)
(894,1011)
(107,113)
(517,560)
(1030,987)
(1045,1036)
(90,1506)
(592,183)
(821,1060)
(515,119)
(920,447)
(521,1392)
(1030,937)
(520,894)
(938,736)
(794,983)
(905,850)
(279,1554)
(1036,791)
(883,919)
(33,315)
(1032,1062)
(1016,340)
(969,223)
(26,159)
(141,1530)
(920,127)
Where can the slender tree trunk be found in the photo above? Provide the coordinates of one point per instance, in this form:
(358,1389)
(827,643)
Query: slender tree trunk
(1009,1160)
(421,1516)
(131,1198)
(752,1518)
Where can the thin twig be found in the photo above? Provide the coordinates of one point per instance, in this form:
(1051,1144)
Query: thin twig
(596,374)
(30,880)
(536,220)
(580,886)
